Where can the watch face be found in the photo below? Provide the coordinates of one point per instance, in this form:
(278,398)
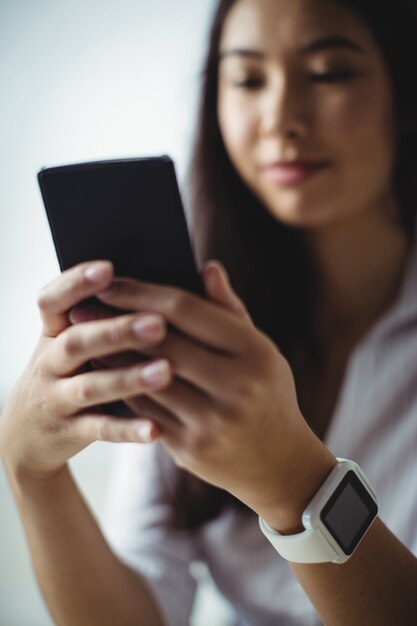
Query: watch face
(349,512)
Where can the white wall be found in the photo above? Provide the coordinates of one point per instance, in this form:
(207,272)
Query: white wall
(79,80)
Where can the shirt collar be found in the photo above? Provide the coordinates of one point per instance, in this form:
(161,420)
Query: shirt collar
(403,311)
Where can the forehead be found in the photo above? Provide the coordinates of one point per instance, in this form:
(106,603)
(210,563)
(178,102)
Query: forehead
(278,25)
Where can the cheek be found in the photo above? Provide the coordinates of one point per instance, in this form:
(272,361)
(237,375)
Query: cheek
(238,128)
(360,134)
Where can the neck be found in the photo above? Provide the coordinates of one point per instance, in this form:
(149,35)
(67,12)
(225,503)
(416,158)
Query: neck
(357,269)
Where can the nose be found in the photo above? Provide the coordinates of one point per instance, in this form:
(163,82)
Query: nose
(285,110)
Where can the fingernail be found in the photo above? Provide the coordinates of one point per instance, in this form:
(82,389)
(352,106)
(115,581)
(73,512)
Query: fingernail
(223,272)
(210,265)
(156,373)
(144,432)
(97,274)
(219,268)
(147,327)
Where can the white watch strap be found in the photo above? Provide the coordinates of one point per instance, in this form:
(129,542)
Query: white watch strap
(309,546)
(315,544)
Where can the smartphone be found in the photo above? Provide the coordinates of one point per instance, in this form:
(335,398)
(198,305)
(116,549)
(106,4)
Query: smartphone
(128,211)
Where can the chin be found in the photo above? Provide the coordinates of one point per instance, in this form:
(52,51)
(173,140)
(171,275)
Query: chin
(299,213)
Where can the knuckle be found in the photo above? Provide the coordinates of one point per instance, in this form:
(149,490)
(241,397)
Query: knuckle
(71,342)
(113,333)
(199,444)
(246,393)
(73,393)
(126,382)
(102,429)
(254,391)
(251,343)
(43,298)
(177,304)
(86,392)
(123,433)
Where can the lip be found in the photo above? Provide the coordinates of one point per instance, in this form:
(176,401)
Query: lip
(292,172)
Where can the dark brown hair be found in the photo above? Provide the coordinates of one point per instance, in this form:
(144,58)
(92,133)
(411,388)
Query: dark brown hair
(263,257)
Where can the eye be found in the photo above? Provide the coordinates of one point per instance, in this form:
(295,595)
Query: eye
(248,83)
(338,76)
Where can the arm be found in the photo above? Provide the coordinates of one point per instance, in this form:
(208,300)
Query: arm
(82,581)
(376,587)
(51,415)
(254,442)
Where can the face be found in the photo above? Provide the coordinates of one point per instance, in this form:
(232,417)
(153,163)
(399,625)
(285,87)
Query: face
(303,82)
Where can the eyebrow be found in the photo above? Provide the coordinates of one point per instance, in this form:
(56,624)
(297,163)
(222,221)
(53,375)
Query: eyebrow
(327,43)
(318,45)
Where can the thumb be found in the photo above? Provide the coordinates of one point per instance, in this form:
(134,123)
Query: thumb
(220,290)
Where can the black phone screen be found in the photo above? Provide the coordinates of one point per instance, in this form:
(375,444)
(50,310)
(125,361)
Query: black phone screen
(128,211)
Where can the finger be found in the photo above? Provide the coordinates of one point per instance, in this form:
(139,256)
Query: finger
(188,404)
(105,386)
(173,406)
(89,313)
(205,321)
(83,342)
(179,404)
(196,364)
(70,288)
(148,408)
(91,427)
(220,290)
(143,406)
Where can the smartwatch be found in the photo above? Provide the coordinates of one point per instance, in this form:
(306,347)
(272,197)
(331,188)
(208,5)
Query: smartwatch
(335,521)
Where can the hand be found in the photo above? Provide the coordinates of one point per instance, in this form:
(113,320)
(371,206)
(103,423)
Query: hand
(238,425)
(54,410)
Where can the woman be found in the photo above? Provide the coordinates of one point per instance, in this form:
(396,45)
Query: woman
(301,186)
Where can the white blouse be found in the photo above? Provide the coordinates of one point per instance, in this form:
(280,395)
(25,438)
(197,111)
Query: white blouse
(374,424)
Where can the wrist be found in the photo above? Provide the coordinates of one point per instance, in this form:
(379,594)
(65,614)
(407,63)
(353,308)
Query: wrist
(23,480)
(308,469)
(335,520)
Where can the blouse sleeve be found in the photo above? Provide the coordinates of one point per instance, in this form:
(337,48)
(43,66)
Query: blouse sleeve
(136,526)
